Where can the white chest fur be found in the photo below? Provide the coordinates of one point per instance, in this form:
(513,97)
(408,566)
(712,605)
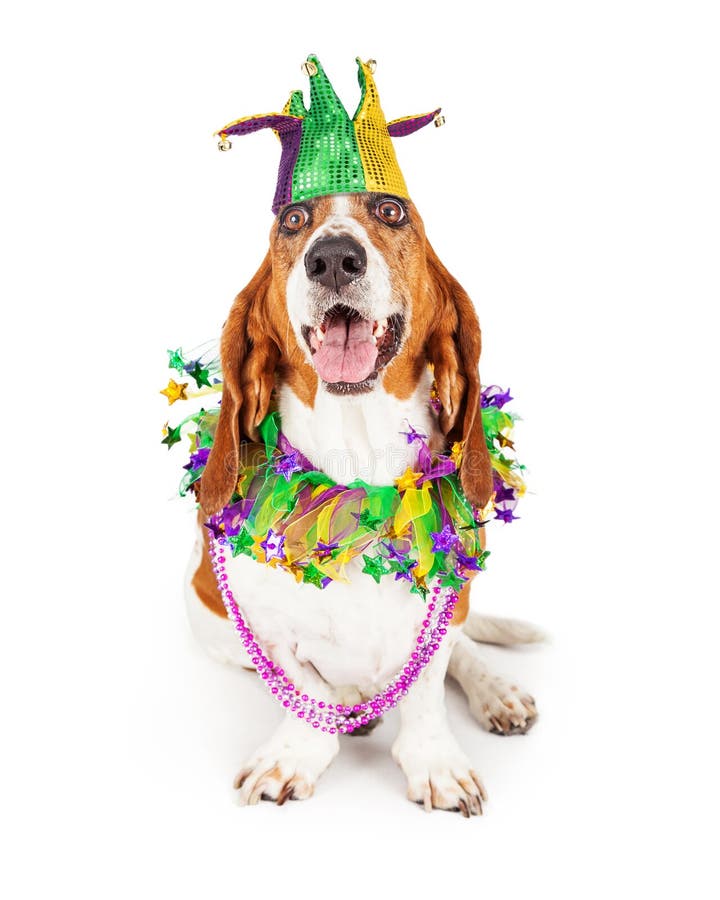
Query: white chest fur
(348,635)
(361,436)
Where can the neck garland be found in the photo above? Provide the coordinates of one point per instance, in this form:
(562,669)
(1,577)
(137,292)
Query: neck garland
(286,514)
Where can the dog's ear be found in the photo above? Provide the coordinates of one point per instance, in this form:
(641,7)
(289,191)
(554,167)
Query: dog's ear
(453,347)
(249,357)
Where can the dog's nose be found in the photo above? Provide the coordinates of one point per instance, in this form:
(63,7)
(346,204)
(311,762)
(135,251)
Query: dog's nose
(335,261)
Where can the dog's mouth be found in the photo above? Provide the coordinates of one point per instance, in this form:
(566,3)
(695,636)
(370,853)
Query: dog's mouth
(348,351)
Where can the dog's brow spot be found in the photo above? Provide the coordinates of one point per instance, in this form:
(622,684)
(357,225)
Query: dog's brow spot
(341,206)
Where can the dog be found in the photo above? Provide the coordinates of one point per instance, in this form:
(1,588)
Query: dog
(347,323)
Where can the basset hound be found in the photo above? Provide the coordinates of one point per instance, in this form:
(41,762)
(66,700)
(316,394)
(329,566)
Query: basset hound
(343,328)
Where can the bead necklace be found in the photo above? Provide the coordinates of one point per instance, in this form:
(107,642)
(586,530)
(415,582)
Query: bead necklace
(329,717)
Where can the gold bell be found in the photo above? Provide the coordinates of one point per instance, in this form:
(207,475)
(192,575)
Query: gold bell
(372,65)
(224,145)
(439,121)
(309,68)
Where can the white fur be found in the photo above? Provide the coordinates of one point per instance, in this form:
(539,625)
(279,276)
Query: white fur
(359,436)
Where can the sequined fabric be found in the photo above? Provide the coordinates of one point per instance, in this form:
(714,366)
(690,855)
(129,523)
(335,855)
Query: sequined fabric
(324,151)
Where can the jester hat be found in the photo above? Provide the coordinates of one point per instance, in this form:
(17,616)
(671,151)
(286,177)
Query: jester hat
(324,151)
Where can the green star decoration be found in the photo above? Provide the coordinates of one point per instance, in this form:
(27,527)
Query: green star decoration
(241,543)
(452,580)
(405,566)
(176,360)
(200,374)
(172,436)
(419,589)
(369,521)
(375,566)
(312,575)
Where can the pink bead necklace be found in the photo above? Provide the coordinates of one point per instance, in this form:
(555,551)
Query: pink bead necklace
(330,717)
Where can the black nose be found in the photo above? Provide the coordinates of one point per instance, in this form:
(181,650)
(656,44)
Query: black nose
(335,261)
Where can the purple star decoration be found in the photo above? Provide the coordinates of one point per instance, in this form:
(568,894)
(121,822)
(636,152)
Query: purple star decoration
(287,464)
(405,572)
(273,545)
(468,562)
(323,550)
(414,435)
(445,540)
(394,554)
(495,396)
(198,459)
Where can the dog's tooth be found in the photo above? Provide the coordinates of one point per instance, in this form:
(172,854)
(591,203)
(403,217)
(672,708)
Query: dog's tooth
(319,334)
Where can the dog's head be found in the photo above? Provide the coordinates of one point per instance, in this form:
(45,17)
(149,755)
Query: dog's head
(350,297)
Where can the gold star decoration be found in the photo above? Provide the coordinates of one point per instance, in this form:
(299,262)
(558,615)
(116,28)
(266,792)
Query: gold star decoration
(420,581)
(505,441)
(408,479)
(175,391)
(295,570)
(456,452)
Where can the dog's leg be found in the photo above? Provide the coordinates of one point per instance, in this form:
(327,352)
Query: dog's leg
(438,772)
(492,630)
(288,765)
(498,705)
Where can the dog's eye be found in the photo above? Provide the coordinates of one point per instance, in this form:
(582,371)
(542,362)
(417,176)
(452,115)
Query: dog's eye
(390,212)
(295,218)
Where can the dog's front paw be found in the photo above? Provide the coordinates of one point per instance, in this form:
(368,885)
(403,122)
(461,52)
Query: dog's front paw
(287,767)
(439,775)
(501,707)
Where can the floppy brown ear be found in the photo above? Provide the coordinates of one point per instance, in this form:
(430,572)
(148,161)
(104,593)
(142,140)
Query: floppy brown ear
(249,357)
(453,347)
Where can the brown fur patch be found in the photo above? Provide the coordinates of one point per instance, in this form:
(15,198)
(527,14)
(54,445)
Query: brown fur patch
(204,581)
(462,607)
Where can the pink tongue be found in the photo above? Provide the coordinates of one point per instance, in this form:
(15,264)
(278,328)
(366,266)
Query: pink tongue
(347,353)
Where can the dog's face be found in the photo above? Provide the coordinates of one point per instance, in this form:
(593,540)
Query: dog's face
(350,298)
(351,269)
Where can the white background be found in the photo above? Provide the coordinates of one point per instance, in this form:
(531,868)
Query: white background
(575,193)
